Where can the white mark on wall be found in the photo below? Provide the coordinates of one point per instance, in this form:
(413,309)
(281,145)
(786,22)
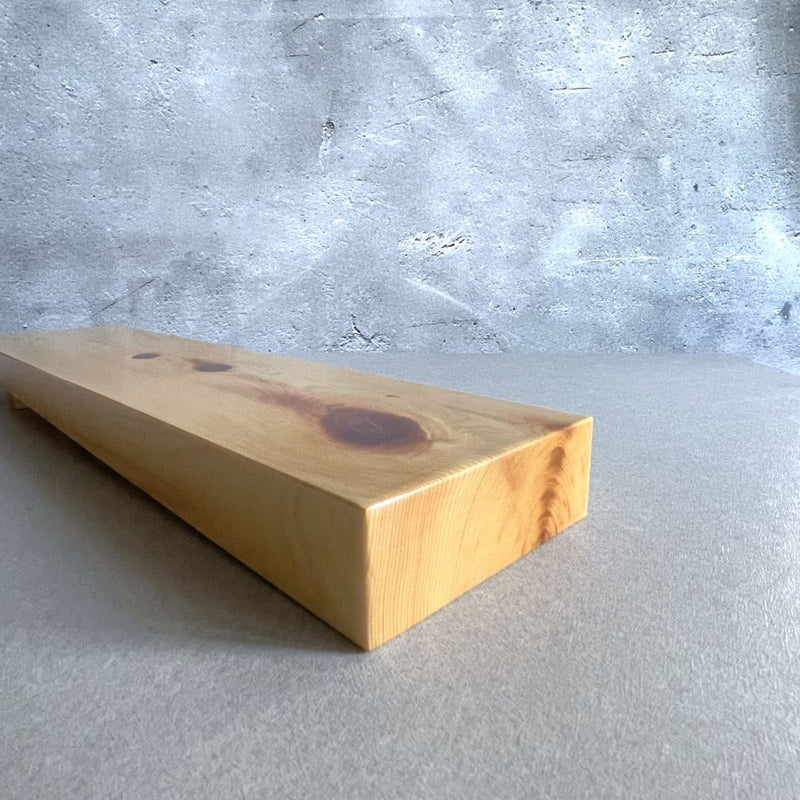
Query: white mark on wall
(780,249)
(425,287)
(574,228)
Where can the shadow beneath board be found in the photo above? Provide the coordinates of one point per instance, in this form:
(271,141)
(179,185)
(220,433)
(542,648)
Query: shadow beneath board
(95,553)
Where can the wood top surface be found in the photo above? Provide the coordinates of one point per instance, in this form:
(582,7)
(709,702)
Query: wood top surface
(362,437)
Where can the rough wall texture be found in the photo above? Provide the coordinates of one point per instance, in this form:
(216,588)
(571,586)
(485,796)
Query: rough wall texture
(606,175)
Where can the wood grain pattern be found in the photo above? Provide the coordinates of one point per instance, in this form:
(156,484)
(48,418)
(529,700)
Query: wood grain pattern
(371,501)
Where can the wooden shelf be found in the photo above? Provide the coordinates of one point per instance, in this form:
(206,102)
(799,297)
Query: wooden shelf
(371,501)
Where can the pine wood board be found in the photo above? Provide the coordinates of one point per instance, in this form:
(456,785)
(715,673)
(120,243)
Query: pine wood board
(370,500)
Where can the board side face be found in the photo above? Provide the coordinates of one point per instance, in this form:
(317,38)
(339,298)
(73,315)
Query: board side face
(427,548)
(307,543)
(372,437)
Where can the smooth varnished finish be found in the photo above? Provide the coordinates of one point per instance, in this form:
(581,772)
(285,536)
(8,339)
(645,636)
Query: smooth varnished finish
(371,501)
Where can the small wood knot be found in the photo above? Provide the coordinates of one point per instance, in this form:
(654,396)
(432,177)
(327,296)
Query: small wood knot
(202,365)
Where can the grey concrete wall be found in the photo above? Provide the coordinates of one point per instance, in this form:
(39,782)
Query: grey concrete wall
(480,176)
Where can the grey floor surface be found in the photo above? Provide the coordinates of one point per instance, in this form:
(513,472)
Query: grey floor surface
(650,651)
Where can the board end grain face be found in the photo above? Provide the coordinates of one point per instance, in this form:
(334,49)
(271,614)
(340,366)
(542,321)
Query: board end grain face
(427,547)
(371,501)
